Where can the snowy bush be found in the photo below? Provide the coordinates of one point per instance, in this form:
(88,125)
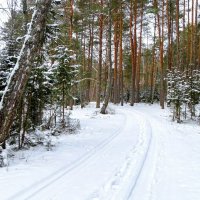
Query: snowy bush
(183,92)
(3,157)
(175,92)
(193,91)
(49,142)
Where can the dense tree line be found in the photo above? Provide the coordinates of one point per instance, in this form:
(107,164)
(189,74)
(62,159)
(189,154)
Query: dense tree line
(105,51)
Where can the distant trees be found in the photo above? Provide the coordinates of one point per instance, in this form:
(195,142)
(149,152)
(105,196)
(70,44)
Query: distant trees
(183,93)
(109,50)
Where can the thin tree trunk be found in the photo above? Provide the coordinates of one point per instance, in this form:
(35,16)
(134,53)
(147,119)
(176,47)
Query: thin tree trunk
(92,53)
(100,59)
(69,14)
(177,34)
(25,13)
(196,36)
(90,59)
(109,84)
(81,73)
(169,35)
(116,45)
(63,104)
(133,48)
(71,19)
(139,56)
(160,33)
(188,37)
(121,92)
(184,13)
(192,38)
(132,53)
(184,47)
(153,66)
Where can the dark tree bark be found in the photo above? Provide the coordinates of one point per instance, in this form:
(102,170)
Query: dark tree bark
(177,35)
(132,55)
(25,13)
(169,60)
(161,38)
(116,47)
(121,89)
(17,82)
(101,17)
(152,82)
(139,55)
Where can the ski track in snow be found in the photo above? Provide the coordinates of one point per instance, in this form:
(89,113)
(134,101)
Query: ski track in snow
(34,189)
(125,184)
(133,162)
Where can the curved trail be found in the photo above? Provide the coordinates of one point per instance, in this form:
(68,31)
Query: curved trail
(118,168)
(141,187)
(32,190)
(137,154)
(137,170)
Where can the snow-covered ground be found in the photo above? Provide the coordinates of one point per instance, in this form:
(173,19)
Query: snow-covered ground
(133,153)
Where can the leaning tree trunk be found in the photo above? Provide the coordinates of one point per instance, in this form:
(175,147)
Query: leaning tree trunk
(17,81)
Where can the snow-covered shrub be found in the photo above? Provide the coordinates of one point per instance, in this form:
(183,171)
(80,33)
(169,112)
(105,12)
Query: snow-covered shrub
(3,157)
(193,91)
(110,111)
(183,93)
(49,141)
(148,96)
(176,92)
(73,125)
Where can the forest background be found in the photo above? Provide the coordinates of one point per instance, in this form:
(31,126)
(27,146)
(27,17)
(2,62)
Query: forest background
(57,54)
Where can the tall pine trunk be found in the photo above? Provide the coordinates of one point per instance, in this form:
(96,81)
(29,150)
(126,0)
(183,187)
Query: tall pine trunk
(161,37)
(116,46)
(139,56)
(98,95)
(133,48)
(121,88)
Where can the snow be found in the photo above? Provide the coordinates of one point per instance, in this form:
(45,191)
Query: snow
(3,14)
(132,153)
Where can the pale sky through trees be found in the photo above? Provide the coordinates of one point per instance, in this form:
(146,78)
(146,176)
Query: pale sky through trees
(3,13)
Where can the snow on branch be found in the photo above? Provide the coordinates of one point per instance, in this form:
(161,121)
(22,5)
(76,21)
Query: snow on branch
(16,83)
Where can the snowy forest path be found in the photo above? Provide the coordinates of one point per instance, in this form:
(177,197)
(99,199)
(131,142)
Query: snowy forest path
(135,154)
(138,169)
(123,136)
(119,167)
(33,190)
